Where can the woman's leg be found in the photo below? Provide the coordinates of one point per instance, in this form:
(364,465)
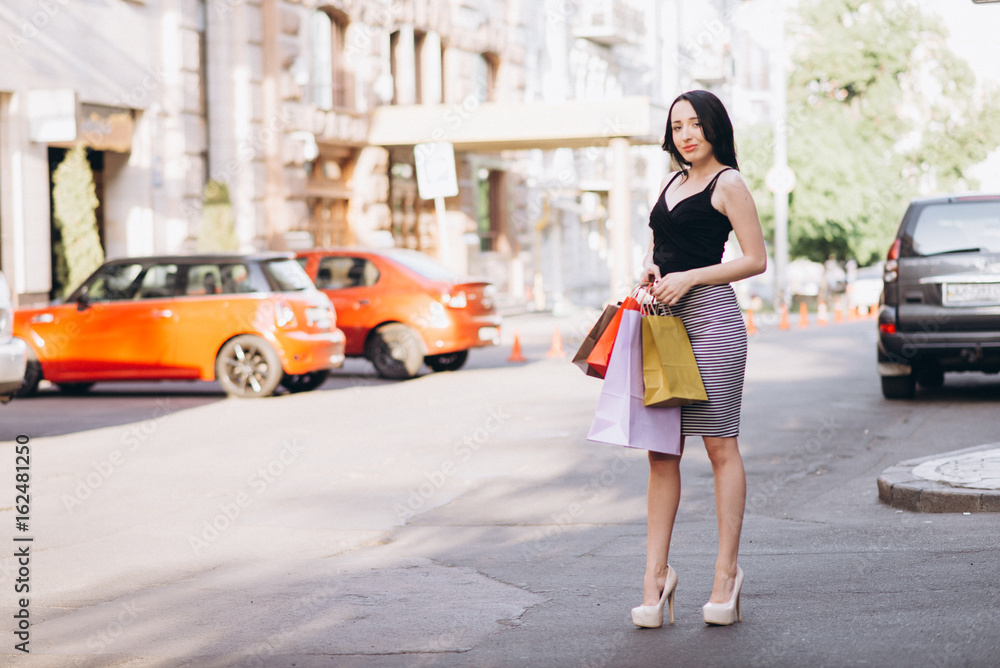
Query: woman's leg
(730,500)
(662,499)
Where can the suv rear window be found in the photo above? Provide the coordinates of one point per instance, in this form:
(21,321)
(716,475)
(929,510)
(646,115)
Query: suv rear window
(956,227)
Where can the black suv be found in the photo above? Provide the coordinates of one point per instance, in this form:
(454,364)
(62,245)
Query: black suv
(940,307)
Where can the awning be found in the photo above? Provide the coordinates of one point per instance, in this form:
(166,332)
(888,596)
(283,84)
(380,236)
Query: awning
(494,126)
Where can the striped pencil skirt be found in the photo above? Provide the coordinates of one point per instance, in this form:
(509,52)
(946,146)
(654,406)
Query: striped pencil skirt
(718,337)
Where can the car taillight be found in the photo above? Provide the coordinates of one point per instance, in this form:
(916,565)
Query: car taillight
(455,299)
(284,316)
(887,327)
(892,262)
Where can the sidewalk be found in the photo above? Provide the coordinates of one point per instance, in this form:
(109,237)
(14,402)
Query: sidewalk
(961,481)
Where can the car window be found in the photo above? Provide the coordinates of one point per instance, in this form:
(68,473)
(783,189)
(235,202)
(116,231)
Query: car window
(235,279)
(114,282)
(216,279)
(159,281)
(425,266)
(955,226)
(346,271)
(287,275)
(203,279)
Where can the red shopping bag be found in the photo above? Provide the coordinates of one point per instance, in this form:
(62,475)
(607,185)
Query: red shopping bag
(598,358)
(622,417)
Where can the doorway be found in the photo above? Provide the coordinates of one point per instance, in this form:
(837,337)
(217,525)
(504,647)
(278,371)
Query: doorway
(95,159)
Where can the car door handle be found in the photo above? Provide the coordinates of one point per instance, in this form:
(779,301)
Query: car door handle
(165,313)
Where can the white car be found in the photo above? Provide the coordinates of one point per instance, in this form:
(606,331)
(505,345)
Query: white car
(12,352)
(864,290)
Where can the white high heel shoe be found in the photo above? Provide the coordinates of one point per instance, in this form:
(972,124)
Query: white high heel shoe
(651,616)
(726,613)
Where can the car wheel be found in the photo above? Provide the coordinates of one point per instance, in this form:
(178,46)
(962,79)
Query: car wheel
(898,387)
(930,377)
(248,366)
(32,376)
(396,351)
(304,382)
(74,388)
(447,361)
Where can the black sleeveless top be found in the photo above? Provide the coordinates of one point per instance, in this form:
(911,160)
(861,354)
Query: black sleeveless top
(693,234)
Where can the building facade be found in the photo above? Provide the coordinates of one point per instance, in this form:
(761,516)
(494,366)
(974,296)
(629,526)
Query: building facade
(310,112)
(126,80)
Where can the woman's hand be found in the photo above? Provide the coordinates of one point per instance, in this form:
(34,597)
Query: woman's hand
(650,272)
(669,289)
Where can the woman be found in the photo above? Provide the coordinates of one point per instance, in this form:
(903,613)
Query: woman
(697,208)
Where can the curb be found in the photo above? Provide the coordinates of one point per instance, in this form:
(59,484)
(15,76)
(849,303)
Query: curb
(898,487)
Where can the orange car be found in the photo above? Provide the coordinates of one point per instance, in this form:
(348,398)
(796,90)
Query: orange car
(251,322)
(399,308)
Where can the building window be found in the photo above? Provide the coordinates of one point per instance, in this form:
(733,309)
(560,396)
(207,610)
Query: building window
(329,76)
(419,39)
(393,65)
(487,67)
(491,210)
(444,79)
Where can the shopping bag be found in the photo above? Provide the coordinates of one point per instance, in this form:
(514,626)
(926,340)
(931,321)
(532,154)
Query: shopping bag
(580,359)
(598,358)
(669,370)
(622,418)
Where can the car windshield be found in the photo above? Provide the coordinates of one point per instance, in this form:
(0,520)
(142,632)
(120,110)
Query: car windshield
(958,227)
(424,265)
(287,275)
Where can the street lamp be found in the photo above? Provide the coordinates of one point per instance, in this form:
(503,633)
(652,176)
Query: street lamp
(780,178)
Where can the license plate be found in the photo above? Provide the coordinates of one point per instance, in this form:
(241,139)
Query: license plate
(489,334)
(971,294)
(317,316)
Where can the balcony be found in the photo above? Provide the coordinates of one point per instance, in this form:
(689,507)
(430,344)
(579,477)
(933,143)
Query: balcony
(610,22)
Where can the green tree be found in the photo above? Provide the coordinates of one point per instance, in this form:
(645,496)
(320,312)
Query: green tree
(78,251)
(218,232)
(879,110)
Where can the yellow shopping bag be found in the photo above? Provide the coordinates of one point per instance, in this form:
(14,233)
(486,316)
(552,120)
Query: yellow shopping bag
(669,369)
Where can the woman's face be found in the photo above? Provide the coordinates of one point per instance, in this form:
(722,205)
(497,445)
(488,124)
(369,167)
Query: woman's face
(685,129)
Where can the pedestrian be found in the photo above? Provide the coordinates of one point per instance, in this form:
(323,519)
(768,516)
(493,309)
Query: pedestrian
(697,208)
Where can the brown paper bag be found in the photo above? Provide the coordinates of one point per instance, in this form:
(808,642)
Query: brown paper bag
(580,359)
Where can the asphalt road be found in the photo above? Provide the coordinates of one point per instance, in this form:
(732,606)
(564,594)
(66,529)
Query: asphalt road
(462,519)
(51,413)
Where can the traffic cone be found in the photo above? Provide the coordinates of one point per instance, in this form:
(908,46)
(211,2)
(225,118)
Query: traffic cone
(556,349)
(838,313)
(515,353)
(783,323)
(803,315)
(751,327)
(873,311)
(852,314)
(821,314)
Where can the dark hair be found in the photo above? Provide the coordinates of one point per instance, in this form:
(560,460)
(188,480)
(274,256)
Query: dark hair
(715,125)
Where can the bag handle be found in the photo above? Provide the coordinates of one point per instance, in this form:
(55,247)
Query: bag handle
(666,306)
(647,302)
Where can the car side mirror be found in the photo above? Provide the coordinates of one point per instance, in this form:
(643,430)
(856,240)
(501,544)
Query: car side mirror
(82,302)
